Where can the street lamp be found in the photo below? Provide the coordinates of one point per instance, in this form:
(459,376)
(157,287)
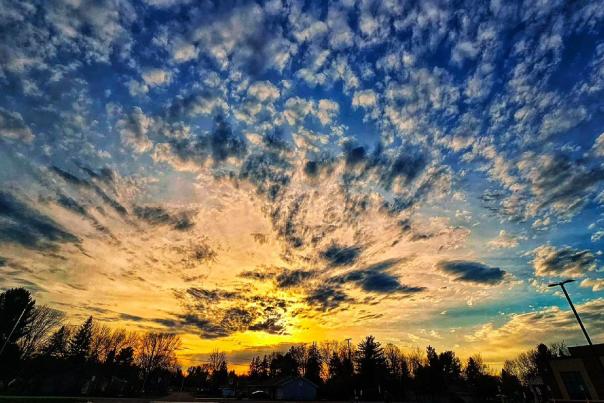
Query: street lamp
(561,284)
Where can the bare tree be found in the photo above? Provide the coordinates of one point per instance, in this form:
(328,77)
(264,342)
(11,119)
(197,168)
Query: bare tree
(107,342)
(157,351)
(216,360)
(42,321)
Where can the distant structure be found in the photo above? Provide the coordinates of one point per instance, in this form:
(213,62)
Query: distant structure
(578,376)
(291,388)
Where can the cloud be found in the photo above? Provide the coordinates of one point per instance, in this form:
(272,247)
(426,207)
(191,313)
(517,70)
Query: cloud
(292,278)
(154,77)
(473,272)
(327,298)
(107,176)
(134,129)
(13,127)
(503,241)
(157,215)
(338,255)
(596,284)
(596,236)
(23,225)
(375,279)
(547,325)
(365,99)
(598,146)
(263,91)
(563,262)
(220,313)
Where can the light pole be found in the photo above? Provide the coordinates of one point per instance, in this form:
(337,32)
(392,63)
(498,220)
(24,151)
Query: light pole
(561,284)
(591,346)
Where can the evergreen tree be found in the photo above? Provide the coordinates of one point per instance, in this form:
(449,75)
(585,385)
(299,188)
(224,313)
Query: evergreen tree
(313,364)
(79,345)
(16,306)
(58,344)
(371,367)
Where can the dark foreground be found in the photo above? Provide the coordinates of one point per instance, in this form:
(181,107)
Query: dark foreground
(174,397)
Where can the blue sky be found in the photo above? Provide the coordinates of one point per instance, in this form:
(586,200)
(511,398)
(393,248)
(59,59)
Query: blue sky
(252,174)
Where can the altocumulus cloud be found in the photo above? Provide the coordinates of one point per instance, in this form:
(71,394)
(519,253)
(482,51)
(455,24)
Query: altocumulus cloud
(565,261)
(473,272)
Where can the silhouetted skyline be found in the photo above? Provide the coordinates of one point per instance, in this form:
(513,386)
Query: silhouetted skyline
(256,175)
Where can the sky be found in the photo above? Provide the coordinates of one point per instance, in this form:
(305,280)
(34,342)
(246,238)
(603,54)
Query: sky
(256,174)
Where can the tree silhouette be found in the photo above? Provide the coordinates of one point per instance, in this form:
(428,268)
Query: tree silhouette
(313,364)
(371,367)
(58,343)
(16,306)
(79,345)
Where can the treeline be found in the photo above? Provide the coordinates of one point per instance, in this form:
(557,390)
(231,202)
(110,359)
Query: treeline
(41,355)
(370,371)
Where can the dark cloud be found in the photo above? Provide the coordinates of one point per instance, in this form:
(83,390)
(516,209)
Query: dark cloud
(354,155)
(288,221)
(260,238)
(23,225)
(269,172)
(203,295)
(70,204)
(384,283)
(219,313)
(269,325)
(375,279)
(105,174)
(220,144)
(292,278)
(257,275)
(338,255)
(326,298)
(83,183)
(560,180)
(156,215)
(319,164)
(224,142)
(474,272)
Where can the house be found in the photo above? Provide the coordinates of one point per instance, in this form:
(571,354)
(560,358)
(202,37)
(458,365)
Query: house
(579,376)
(291,388)
(294,388)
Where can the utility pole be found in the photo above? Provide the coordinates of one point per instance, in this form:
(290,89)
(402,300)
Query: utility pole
(348,341)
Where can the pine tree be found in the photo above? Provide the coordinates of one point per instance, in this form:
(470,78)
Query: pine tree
(371,366)
(79,346)
(313,364)
(58,345)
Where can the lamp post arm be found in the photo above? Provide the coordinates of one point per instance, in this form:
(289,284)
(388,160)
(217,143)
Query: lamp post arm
(576,315)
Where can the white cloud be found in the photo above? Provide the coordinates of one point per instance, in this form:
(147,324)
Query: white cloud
(154,77)
(365,99)
(13,127)
(598,146)
(503,241)
(264,91)
(563,262)
(136,88)
(134,130)
(596,284)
